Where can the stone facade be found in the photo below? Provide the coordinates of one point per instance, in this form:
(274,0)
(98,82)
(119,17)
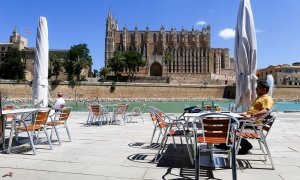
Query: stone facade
(191,50)
(284,75)
(93,90)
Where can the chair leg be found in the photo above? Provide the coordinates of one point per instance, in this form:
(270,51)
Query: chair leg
(57,135)
(262,149)
(174,143)
(30,135)
(12,131)
(153,135)
(68,132)
(50,144)
(163,141)
(197,168)
(160,133)
(189,150)
(233,163)
(269,154)
(142,117)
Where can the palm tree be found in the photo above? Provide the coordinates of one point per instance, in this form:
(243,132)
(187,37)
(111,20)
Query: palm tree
(117,64)
(79,64)
(56,62)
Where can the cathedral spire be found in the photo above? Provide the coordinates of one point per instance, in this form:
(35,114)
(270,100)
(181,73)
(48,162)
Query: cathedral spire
(109,16)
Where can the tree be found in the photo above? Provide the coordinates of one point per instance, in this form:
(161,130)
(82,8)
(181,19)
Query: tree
(117,64)
(78,59)
(79,64)
(56,61)
(12,66)
(133,60)
(103,72)
(95,73)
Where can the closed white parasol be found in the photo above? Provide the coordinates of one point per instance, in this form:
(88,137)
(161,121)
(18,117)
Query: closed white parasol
(245,56)
(40,91)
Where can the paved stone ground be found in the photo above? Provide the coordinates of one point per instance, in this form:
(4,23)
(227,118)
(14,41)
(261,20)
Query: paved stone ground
(116,152)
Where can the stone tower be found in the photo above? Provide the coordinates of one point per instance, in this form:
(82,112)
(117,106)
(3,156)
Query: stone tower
(18,41)
(111,27)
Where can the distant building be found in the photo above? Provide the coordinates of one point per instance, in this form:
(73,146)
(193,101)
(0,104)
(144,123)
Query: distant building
(14,41)
(194,59)
(284,75)
(20,42)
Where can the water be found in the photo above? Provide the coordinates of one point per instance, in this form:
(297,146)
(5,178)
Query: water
(177,107)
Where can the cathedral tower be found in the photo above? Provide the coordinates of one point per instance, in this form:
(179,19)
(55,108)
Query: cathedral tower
(111,27)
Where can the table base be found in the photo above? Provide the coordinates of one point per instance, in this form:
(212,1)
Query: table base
(215,162)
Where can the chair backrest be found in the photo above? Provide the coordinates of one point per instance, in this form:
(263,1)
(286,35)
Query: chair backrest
(9,107)
(143,108)
(94,108)
(122,108)
(41,117)
(64,115)
(217,127)
(153,117)
(269,121)
(160,120)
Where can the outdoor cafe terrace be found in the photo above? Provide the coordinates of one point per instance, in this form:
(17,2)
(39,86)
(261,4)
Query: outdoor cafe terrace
(122,152)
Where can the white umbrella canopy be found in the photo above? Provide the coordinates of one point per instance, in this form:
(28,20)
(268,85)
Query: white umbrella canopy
(245,56)
(40,91)
(270,81)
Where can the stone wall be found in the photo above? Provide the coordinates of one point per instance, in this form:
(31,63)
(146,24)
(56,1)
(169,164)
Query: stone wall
(124,90)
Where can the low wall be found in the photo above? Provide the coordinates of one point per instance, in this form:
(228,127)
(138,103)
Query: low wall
(134,90)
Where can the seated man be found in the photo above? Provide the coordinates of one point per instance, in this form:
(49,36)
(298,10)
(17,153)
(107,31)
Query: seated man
(261,105)
(59,103)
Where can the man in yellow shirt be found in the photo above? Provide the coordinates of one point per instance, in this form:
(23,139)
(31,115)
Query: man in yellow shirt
(261,105)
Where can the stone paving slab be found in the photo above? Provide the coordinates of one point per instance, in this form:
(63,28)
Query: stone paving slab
(120,152)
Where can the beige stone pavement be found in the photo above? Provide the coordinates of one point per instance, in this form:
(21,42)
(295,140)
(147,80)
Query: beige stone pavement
(113,152)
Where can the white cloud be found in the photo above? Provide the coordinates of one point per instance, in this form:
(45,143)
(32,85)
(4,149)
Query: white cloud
(227,33)
(259,30)
(200,23)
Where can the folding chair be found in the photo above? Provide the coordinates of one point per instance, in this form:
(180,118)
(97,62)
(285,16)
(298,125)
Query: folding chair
(215,128)
(33,129)
(59,119)
(258,130)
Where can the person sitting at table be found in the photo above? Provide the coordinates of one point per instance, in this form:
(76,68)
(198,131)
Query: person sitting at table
(261,105)
(59,103)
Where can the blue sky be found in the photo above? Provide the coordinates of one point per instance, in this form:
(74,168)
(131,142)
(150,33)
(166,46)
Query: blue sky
(72,22)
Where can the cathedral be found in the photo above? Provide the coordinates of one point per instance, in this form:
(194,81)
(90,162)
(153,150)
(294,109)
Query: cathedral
(193,58)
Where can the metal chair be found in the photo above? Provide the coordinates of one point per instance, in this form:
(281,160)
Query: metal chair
(258,130)
(169,117)
(33,129)
(59,119)
(215,128)
(120,110)
(94,114)
(137,112)
(174,128)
